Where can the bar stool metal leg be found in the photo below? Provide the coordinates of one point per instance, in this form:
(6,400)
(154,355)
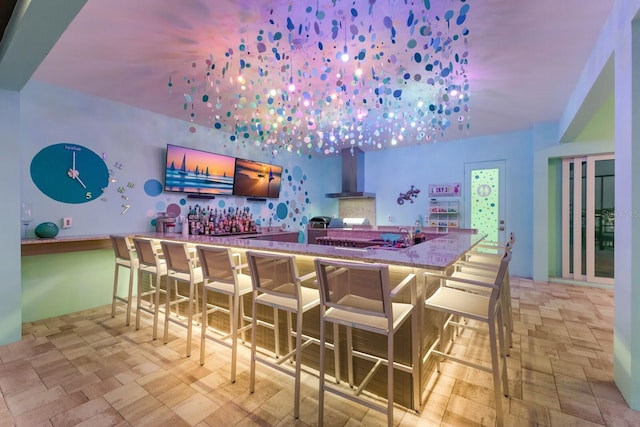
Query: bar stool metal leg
(125,258)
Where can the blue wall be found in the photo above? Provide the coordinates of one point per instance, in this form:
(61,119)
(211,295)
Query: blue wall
(137,139)
(10,307)
(387,173)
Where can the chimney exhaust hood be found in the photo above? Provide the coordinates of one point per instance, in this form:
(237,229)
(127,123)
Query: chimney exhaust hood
(352,176)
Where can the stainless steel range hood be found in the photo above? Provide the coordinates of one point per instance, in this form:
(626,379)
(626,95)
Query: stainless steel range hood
(352,176)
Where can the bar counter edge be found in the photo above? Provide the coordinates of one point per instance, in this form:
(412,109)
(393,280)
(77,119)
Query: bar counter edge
(436,254)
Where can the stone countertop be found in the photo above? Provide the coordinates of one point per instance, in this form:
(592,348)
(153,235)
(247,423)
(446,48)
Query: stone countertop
(435,254)
(64,244)
(64,239)
(69,239)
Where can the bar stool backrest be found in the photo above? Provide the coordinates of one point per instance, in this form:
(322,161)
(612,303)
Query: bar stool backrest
(177,256)
(355,287)
(147,253)
(121,247)
(217,264)
(510,241)
(501,275)
(274,274)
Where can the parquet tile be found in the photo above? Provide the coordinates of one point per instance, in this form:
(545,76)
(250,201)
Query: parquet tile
(87,369)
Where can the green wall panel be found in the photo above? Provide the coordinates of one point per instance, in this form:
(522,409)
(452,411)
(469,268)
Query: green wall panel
(58,284)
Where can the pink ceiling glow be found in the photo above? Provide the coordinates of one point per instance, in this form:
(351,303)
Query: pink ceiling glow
(309,76)
(230,64)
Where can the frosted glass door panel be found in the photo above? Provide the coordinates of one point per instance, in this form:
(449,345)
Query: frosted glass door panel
(485,199)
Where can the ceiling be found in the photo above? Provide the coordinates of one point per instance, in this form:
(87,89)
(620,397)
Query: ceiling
(520,61)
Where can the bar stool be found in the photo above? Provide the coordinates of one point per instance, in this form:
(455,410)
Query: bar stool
(125,258)
(358,296)
(479,265)
(490,251)
(221,275)
(276,284)
(154,266)
(451,302)
(181,268)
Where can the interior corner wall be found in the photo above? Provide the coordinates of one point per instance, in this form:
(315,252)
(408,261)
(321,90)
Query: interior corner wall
(10,285)
(545,210)
(626,345)
(597,137)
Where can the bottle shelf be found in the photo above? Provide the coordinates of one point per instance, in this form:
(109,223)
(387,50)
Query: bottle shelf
(443,214)
(203,220)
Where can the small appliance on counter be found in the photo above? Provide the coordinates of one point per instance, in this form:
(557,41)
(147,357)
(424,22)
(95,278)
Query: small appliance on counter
(165,223)
(317,227)
(319,222)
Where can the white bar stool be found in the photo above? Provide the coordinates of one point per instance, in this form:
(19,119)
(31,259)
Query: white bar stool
(489,251)
(154,266)
(482,264)
(276,284)
(125,258)
(451,302)
(358,296)
(181,268)
(221,275)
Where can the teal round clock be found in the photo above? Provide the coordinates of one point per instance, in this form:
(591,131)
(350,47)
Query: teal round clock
(69,173)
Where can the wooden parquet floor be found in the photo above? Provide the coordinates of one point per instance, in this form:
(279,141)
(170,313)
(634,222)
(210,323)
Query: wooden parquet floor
(88,369)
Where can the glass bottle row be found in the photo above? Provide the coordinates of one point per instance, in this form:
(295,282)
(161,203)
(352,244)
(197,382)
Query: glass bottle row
(203,220)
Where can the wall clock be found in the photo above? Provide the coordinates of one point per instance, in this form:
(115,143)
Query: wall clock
(69,173)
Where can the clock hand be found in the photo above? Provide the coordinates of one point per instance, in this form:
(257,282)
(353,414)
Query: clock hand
(73,173)
(79,180)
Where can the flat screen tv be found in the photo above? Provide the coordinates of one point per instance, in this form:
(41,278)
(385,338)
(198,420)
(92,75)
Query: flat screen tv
(256,179)
(193,171)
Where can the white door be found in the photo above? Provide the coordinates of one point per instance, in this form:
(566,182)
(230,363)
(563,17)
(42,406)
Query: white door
(485,198)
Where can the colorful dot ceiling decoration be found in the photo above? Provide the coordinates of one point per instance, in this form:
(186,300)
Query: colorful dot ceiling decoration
(314,77)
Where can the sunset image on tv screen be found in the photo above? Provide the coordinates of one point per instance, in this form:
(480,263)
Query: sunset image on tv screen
(256,179)
(195,171)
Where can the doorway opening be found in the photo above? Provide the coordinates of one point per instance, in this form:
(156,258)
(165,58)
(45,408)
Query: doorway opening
(588,218)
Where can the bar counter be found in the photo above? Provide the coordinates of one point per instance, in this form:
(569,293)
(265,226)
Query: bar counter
(437,254)
(54,269)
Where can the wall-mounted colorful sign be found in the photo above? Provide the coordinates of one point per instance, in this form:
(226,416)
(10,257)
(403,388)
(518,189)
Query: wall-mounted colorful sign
(444,190)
